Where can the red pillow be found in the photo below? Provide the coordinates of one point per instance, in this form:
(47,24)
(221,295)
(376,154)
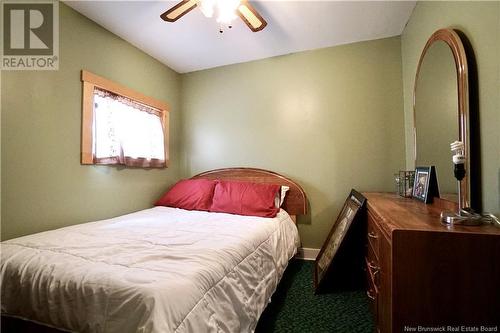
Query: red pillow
(244,198)
(190,194)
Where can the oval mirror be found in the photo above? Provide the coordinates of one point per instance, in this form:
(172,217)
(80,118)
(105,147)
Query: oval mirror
(440,104)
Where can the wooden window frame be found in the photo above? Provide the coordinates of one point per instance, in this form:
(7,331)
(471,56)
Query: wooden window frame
(90,81)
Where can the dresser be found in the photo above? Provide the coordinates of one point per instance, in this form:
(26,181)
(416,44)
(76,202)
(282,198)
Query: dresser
(421,273)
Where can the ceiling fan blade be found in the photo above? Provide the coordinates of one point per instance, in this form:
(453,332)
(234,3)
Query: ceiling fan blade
(251,17)
(179,10)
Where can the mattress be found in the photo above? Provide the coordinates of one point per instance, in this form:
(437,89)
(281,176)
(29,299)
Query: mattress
(157,270)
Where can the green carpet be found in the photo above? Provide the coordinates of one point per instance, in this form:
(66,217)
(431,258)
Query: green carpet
(295,308)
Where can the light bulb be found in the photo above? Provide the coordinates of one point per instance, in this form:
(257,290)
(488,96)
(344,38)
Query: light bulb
(207,7)
(226,10)
(457,148)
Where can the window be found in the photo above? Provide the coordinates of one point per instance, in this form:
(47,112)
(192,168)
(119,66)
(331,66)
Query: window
(121,126)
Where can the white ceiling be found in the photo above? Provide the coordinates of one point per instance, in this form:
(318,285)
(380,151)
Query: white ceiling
(194,42)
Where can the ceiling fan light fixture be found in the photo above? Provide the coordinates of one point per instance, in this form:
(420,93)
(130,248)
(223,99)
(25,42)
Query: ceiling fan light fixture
(227,11)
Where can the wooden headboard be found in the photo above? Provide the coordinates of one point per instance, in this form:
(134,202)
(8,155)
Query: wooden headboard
(295,200)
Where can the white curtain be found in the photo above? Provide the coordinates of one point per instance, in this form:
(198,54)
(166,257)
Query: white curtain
(127,132)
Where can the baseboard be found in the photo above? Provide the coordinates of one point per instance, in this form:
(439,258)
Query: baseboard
(306,253)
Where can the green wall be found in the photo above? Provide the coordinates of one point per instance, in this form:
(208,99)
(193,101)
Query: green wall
(43,184)
(480,22)
(331,119)
(0,154)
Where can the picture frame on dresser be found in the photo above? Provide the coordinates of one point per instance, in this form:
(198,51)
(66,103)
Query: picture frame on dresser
(425,186)
(337,240)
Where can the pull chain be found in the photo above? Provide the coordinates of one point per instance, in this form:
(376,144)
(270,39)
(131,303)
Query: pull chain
(221,28)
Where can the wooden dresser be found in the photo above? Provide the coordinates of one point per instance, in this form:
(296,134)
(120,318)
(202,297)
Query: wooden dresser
(422,273)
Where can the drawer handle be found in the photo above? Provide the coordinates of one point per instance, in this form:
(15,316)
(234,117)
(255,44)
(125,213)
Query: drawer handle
(372,235)
(374,268)
(370,295)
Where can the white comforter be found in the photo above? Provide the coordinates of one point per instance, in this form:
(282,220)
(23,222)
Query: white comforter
(157,270)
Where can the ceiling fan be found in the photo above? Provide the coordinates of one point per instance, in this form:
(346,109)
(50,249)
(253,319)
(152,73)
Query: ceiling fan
(227,11)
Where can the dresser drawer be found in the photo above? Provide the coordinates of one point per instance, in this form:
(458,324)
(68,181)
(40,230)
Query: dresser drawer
(373,234)
(372,290)
(372,266)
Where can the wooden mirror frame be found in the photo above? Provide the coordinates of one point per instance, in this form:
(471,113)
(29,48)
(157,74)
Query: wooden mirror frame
(452,39)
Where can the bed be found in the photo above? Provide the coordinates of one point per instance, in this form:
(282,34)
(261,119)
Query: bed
(158,270)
